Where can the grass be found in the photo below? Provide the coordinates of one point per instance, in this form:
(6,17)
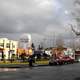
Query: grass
(15,62)
(42,62)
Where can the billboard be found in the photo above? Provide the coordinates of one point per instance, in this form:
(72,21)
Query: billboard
(25,41)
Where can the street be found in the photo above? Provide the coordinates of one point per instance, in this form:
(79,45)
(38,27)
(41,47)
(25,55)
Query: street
(64,72)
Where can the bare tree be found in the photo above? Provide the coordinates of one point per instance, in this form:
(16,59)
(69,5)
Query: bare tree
(75,31)
(76,17)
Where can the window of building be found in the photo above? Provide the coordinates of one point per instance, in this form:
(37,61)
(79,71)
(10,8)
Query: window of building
(2,44)
(8,45)
(13,46)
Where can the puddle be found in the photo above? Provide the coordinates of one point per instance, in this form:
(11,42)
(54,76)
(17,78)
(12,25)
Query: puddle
(7,69)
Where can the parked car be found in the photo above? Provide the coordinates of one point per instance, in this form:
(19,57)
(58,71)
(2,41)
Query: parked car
(62,56)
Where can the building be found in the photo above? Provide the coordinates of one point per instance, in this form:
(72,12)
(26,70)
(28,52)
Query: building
(7,47)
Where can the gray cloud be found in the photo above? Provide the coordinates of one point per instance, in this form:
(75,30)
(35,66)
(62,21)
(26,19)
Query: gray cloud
(37,17)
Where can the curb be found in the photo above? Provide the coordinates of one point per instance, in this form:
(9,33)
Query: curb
(13,66)
(20,65)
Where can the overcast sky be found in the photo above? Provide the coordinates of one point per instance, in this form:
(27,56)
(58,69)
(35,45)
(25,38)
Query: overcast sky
(37,17)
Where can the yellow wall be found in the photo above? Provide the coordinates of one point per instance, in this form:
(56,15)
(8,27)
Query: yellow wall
(12,44)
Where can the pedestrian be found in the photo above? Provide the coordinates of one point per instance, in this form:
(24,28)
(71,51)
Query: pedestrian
(30,60)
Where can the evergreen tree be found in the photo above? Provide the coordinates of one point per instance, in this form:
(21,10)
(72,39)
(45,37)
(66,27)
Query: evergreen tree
(33,46)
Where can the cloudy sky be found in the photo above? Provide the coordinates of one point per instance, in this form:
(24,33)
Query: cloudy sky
(38,17)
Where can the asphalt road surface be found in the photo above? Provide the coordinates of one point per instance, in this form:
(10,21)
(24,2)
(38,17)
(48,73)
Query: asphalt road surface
(65,72)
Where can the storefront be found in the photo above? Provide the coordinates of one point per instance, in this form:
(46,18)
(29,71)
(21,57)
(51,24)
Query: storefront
(20,51)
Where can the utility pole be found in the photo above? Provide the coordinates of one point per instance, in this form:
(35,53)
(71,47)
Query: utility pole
(54,40)
(3,50)
(9,49)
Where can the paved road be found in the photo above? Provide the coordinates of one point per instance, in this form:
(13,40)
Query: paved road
(65,72)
